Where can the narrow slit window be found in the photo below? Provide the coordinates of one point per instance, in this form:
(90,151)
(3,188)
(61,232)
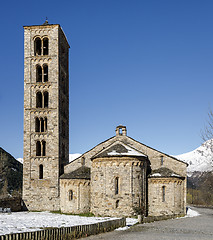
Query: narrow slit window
(39,100)
(70,195)
(41,171)
(163,193)
(116,185)
(45,46)
(117,204)
(37,46)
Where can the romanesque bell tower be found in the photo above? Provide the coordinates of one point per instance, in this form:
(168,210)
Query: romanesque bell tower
(46,114)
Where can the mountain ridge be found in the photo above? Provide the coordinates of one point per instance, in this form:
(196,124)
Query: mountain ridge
(200,159)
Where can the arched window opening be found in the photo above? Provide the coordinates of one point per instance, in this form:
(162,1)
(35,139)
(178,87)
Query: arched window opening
(37,46)
(41,171)
(39,100)
(42,125)
(38,148)
(37,125)
(163,193)
(38,73)
(117,204)
(120,131)
(45,46)
(45,70)
(45,124)
(46,99)
(43,148)
(116,185)
(70,195)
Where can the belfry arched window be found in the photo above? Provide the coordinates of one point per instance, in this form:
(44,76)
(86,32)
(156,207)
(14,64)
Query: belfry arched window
(43,148)
(40,148)
(37,124)
(38,73)
(37,46)
(46,99)
(42,73)
(45,73)
(40,124)
(45,46)
(39,100)
(41,46)
(42,99)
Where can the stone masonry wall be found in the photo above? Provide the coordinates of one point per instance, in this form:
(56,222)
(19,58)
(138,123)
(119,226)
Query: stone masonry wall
(80,202)
(42,194)
(154,156)
(174,194)
(131,192)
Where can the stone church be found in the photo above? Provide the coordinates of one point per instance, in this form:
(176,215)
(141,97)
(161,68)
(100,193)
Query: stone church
(118,177)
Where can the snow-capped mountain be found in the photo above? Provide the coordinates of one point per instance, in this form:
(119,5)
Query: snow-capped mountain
(201,159)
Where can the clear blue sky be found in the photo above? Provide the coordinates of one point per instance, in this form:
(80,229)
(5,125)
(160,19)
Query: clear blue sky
(144,64)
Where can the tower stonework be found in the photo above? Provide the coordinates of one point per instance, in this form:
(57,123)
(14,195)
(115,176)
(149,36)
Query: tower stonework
(46,115)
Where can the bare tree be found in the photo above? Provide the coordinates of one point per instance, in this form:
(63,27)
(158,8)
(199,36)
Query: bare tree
(207,132)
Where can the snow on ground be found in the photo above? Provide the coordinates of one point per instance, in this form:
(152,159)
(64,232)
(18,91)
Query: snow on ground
(33,221)
(132,221)
(129,222)
(192,213)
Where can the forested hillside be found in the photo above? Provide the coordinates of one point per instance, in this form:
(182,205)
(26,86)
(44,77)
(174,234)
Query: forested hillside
(11,172)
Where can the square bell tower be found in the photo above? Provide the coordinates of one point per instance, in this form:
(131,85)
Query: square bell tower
(46,114)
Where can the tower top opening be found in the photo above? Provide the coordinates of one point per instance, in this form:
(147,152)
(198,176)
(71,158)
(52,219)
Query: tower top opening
(120,130)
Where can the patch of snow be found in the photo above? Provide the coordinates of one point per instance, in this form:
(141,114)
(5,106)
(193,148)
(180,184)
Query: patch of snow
(14,169)
(73,156)
(34,221)
(129,222)
(156,175)
(122,228)
(20,160)
(175,175)
(130,152)
(192,213)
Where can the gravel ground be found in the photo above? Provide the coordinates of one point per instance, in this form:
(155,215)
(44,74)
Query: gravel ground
(192,228)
